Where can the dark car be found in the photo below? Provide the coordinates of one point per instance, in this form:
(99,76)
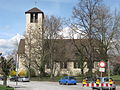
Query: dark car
(68,80)
(1,77)
(14,78)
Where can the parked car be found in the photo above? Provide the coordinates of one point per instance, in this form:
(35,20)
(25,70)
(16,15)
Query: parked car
(68,80)
(23,79)
(1,77)
(20,79)
(105,80)
(14,78)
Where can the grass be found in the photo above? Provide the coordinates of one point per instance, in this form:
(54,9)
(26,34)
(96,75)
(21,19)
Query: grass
(6,88)
(116,78)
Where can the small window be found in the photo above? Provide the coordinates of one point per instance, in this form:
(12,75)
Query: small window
(63,65)
(34,18)
(76,65)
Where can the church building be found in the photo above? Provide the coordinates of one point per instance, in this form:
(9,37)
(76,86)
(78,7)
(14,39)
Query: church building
(27,53)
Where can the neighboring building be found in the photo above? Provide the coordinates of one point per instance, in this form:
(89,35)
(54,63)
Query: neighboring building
(66,63)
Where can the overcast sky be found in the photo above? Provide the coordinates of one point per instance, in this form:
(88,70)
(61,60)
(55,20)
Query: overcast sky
(12,16)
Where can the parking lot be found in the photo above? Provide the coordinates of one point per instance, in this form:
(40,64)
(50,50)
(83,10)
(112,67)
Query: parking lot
(35,85)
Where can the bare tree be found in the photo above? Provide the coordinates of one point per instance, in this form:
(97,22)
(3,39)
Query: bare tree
(107,26)
(52,26)
(99,26)
(38,49)
(84,19)
(28,48)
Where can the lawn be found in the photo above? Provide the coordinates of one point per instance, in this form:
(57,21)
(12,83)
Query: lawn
(5,88)
(116,78)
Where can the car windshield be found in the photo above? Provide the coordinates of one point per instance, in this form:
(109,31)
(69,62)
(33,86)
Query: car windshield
(107,79)
(104,79)
(71,78)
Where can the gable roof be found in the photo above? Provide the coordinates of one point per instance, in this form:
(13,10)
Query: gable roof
(21,47)
(34,10)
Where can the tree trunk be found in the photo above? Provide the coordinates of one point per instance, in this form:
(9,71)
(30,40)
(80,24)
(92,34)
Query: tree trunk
(5,80)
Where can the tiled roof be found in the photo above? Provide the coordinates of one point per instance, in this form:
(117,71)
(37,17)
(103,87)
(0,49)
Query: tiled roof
(34,10)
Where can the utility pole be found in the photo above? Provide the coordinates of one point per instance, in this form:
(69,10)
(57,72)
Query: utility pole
(17,66)
(109,70)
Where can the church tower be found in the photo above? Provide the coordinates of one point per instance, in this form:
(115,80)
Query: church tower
(33,36)
(34,17)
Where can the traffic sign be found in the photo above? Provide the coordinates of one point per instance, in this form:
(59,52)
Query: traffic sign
(102,64)
(102,69)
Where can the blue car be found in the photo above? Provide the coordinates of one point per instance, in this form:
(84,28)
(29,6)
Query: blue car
(68,80)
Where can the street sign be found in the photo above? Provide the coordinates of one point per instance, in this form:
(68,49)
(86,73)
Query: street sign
(102,64)
(102,69)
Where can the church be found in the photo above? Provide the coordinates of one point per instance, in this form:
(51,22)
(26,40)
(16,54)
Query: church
(26,55)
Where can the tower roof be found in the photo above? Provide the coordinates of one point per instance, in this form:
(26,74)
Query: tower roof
(34,10)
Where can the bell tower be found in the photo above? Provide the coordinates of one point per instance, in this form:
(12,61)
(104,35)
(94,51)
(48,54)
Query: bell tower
(34,19)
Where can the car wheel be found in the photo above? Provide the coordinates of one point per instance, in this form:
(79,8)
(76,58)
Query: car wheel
(94,89)
(67,83)
(114,89)
(75,83)
(60,83)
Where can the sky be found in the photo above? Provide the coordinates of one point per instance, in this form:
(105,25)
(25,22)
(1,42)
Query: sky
(12,16)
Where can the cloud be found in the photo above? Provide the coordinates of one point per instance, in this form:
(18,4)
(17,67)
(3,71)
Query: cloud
(7,45)
(68,33)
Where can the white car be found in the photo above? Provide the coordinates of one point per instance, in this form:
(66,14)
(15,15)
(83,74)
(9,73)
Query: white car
(23,79)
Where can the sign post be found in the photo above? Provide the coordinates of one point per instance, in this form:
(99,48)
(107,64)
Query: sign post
(102,64)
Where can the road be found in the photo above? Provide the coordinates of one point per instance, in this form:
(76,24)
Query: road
(35,85)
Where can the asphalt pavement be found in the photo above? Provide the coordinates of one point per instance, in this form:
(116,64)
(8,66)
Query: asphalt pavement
(36,85)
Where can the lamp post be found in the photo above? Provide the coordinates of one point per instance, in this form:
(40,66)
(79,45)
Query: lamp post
(17,66)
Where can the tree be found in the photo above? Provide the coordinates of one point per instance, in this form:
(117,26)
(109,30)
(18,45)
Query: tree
(12,73)
(37,48)
(107,26)
(84,18)
(99,27)
(6,67)
(23,73)
(28,43)
(52,25)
